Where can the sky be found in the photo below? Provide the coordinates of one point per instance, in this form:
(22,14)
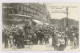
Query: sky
(61,8)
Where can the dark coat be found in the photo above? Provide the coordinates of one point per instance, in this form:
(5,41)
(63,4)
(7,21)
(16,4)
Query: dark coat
(40,35)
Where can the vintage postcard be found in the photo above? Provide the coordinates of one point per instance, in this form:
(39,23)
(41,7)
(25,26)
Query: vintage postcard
(40,26)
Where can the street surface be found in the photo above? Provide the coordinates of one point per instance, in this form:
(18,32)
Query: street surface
(37,48)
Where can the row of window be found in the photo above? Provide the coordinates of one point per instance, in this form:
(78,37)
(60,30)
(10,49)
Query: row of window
(27,9)
(32,8)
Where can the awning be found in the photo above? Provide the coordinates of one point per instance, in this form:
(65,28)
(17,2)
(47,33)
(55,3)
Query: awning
(20,15)
(37,21)
(46,23)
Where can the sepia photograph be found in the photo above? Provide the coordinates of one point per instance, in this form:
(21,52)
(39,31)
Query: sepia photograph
(40,26)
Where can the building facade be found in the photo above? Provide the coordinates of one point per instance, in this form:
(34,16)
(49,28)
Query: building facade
(22,11)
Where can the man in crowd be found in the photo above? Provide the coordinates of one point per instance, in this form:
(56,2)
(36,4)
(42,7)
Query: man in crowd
(20,39)
(34,38)
(73,39)
(55,40)
(46,38)
(11,39)
(40,36)
(6,39)
(62,43)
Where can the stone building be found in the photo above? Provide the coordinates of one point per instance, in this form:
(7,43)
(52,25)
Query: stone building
(21,12)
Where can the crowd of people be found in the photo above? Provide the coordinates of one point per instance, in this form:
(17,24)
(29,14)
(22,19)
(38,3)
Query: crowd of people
(20,36)
(63,39)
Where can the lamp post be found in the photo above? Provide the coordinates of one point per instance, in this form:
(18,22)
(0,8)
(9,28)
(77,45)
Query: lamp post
(67,19)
